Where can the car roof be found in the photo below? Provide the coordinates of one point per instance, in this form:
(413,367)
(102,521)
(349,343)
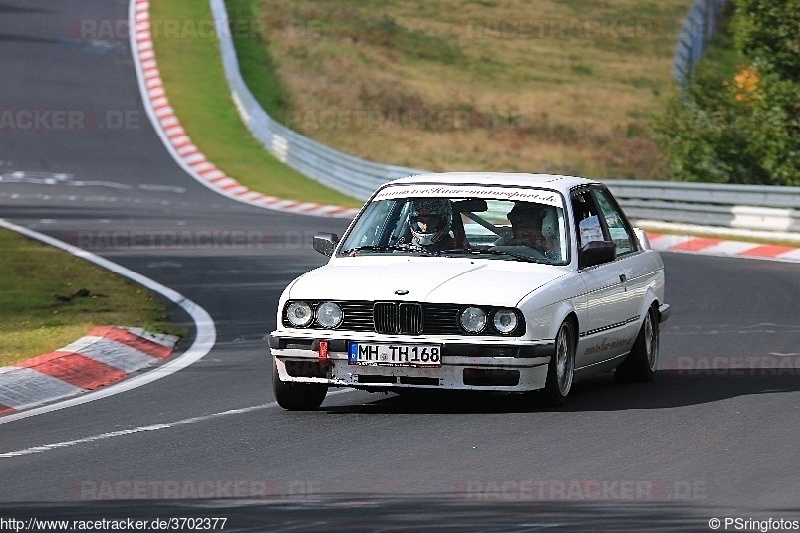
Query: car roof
(506,179)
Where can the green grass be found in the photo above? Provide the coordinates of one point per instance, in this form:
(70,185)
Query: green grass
(577,103)
(255,61)
(195,84)
(48,299)
(579,94)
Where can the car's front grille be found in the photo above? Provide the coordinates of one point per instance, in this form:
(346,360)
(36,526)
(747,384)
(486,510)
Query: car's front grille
(393,318)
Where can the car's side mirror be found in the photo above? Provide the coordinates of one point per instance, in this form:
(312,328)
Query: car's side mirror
(325,243)
(597,252)
(644,242)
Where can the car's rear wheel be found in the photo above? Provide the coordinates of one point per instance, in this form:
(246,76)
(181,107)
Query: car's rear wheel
(297,396)
(642,363)
(561,369)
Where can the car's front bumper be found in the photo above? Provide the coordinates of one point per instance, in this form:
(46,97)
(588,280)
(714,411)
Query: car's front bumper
(507,366)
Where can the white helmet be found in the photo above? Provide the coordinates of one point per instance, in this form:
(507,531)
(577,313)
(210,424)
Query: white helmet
(430,207)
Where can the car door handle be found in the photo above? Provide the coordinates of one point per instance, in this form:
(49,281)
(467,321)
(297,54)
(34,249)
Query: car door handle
(623,278)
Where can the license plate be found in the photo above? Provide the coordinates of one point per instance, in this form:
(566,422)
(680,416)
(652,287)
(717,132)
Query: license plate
(380,354)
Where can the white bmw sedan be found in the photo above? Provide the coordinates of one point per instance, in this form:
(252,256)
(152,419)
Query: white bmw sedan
(473,281)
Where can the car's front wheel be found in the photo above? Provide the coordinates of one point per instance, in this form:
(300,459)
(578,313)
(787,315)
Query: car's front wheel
(561,370)
(297,396)
(642,362)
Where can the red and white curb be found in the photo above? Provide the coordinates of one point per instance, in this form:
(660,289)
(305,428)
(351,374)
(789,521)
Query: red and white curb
(722,247)
(180,145)
(106,355)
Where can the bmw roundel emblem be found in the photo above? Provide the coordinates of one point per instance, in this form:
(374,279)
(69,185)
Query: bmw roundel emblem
(401,292)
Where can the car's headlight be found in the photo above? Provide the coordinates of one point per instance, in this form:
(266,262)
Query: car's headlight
(473,319)
(329,315)
(505,320)
(299,314)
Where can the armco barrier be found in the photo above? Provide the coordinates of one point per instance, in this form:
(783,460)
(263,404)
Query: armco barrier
(697,29)
(762,208)
(750,207)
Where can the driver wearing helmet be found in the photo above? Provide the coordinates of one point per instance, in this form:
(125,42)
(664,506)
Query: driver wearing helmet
(430,220)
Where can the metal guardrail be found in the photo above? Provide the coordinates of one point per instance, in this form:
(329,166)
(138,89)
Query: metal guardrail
(750,207)
(768,208)
(697,29)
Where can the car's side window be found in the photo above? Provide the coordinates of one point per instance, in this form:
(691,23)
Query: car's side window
(617,228)
(587,221)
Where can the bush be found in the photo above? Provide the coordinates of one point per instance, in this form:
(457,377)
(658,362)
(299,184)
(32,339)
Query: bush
(768,32)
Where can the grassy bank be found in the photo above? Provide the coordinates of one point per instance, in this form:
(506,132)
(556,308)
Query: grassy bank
(549,86)
(195,84)
(49,299)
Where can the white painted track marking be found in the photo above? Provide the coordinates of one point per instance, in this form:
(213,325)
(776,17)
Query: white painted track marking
(203,343)
(143,429)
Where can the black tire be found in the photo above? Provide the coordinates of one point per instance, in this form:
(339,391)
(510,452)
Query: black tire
(297,396)
(561,369)
(641,364)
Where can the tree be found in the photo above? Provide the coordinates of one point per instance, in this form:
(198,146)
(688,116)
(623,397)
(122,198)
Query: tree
(744,127)
(768,32)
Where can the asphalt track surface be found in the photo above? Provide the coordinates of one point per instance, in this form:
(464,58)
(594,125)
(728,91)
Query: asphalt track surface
(668,455)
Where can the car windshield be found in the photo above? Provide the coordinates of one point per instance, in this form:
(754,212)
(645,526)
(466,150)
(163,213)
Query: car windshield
(512,224)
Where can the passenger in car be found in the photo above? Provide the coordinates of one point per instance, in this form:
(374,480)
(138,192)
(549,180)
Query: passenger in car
(526,226)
